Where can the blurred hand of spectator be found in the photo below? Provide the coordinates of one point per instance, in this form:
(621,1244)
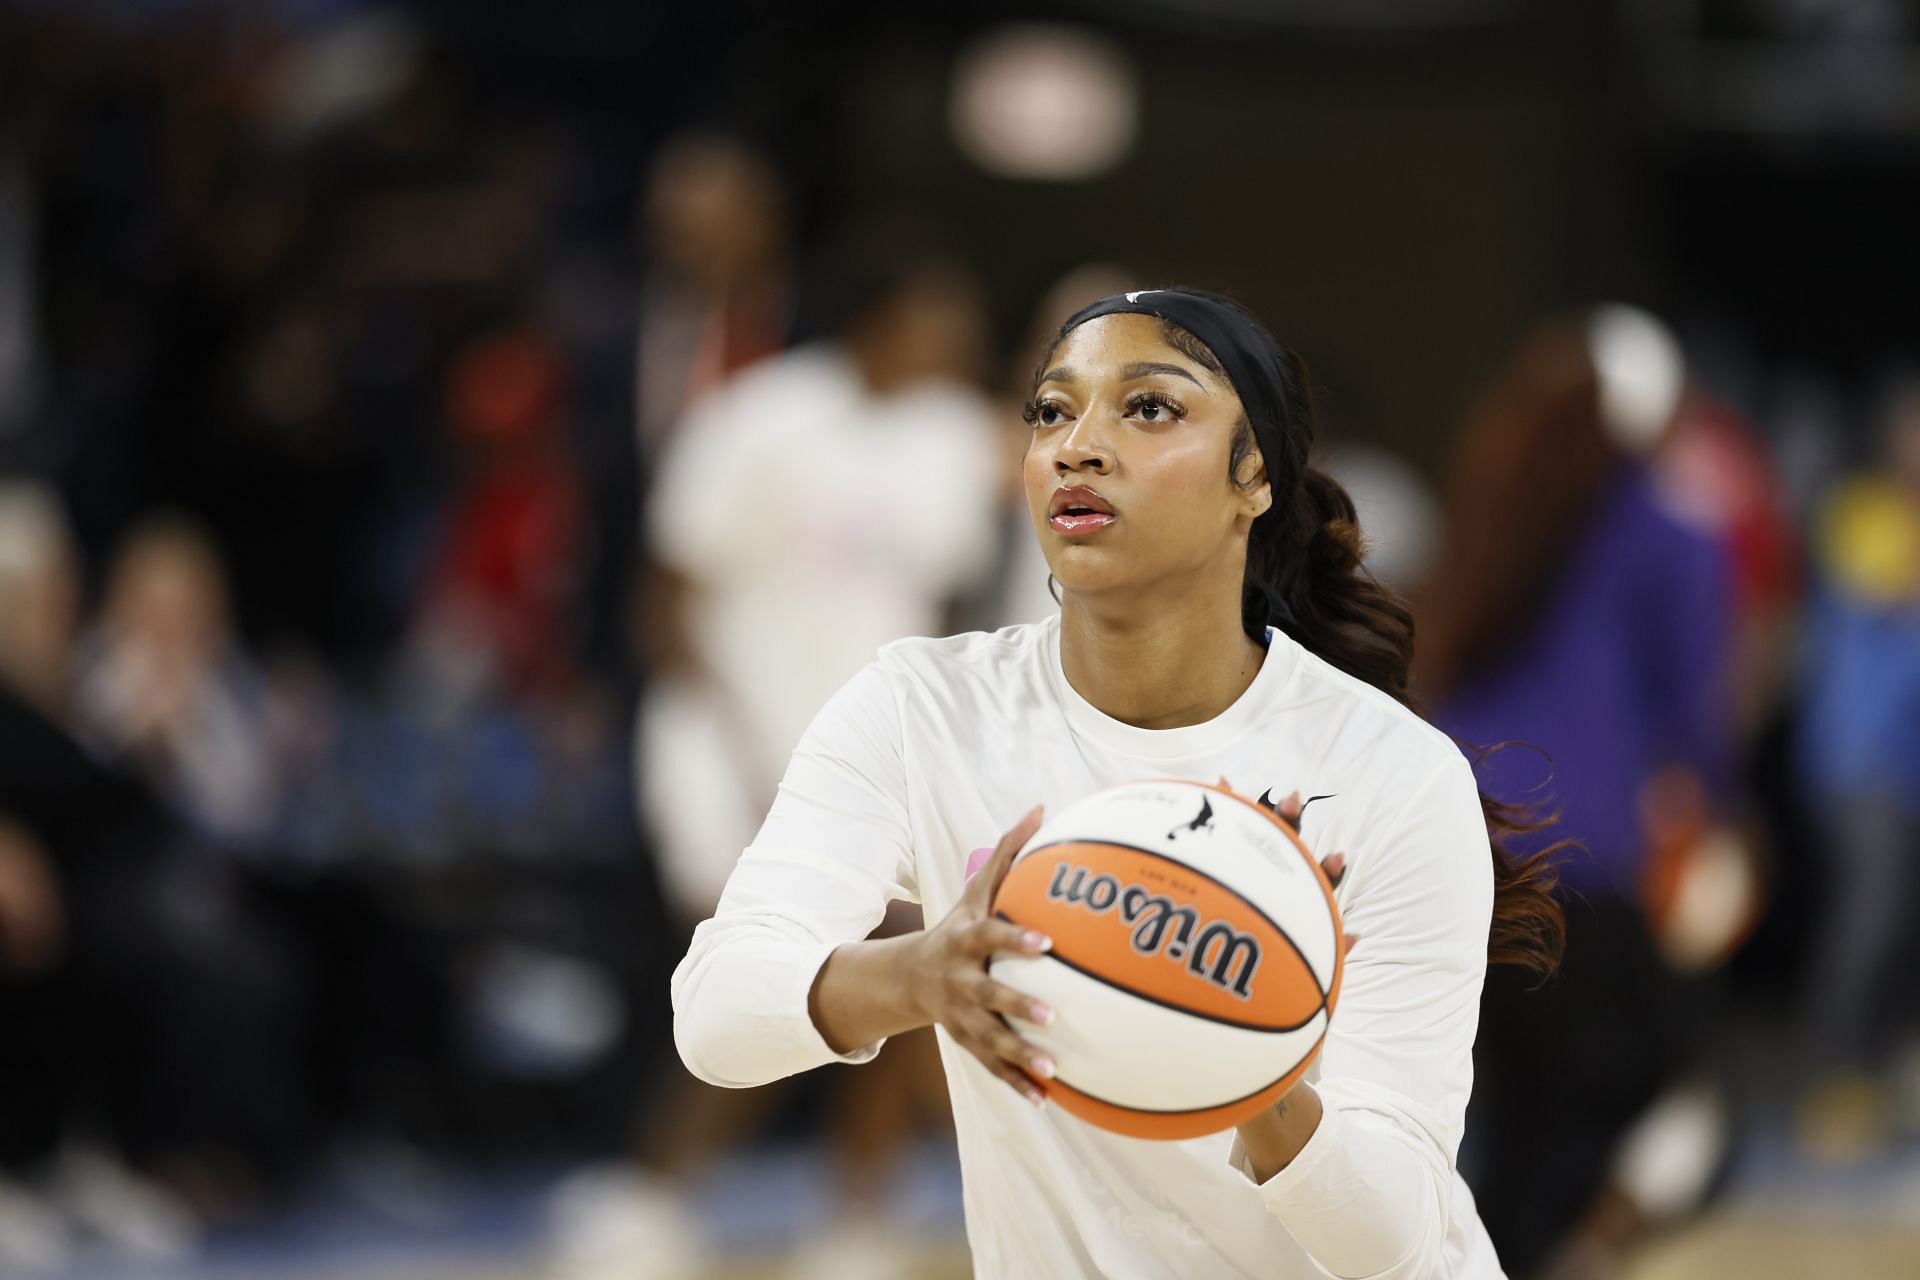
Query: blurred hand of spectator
(33,918)
(165,681)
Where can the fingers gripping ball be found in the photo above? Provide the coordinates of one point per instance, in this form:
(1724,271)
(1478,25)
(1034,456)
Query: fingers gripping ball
(1196,956)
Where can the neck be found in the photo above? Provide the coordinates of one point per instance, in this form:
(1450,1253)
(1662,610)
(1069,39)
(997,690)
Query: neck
(1177,663)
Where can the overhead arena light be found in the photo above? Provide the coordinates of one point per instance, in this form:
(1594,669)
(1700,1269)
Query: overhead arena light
(1045,103)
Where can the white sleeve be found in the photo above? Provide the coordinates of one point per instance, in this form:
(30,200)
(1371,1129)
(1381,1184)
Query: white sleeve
(1370,1193)
(832,853)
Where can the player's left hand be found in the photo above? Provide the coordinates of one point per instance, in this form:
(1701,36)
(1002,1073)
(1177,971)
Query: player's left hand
(1334,865)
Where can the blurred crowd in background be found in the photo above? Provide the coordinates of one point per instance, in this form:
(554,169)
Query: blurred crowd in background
(446,458)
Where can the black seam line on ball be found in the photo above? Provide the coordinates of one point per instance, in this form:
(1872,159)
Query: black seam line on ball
(1318,1009)
(1189,1111)
(1271,922)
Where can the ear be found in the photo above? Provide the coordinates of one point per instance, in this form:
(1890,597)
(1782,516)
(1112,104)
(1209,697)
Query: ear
(1256,493)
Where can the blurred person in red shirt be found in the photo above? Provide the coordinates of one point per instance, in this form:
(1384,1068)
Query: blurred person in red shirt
(500,609)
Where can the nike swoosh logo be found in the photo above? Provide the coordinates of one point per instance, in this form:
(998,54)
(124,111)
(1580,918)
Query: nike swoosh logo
(1267,802)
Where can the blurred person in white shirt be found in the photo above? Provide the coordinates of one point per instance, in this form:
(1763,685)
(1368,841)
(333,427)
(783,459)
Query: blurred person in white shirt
(821,504)
(825,502)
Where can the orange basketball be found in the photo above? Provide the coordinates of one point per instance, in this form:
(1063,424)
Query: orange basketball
(1196,956)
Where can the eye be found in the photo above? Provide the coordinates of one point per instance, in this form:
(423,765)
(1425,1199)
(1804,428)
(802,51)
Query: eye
(1153,406)
(1044,413)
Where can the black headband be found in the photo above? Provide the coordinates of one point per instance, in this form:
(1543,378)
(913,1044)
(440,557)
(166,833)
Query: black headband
(1242,349)
(1247,356)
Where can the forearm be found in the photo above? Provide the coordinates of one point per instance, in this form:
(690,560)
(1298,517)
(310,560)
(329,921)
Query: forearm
(1274,1137)
(861,994)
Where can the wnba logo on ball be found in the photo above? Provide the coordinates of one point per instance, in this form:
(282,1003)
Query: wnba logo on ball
(1218,953)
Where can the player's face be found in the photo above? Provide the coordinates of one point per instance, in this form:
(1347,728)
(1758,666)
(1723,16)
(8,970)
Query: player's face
(1139,435)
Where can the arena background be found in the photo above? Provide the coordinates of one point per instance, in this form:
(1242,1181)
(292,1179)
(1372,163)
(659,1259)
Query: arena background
(323,345)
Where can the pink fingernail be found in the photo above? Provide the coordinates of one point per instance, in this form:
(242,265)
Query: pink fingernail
(1034,1096)
(1036,941)
(1040,1013)
(1043,1066)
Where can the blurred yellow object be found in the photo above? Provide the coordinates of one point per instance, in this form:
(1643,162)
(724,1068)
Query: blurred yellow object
(1869,540)
(1841,1121)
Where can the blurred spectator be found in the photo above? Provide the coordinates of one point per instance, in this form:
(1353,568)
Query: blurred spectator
(147,1016)
(1713,470)
(715,228)
(164,683)
(39,600)
(501,611)
(824,503)
(1573,611)
(40,588)
(1861,763)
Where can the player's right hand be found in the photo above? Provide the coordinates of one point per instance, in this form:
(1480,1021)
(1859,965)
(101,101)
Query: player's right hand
(948,983)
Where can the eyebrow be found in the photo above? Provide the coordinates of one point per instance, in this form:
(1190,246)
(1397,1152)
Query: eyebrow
(1151,367)
(1141,369)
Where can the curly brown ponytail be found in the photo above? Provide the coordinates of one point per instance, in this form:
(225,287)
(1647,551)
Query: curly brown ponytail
(1307,551)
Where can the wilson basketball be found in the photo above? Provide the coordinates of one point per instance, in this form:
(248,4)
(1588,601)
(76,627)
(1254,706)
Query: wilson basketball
(1196,956)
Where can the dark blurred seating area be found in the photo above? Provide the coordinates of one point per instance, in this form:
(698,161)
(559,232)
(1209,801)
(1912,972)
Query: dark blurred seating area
(318,821)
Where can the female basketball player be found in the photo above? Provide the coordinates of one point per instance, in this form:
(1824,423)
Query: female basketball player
(1215,622)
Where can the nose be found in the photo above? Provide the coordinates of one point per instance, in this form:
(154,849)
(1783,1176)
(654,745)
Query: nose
(1085,448)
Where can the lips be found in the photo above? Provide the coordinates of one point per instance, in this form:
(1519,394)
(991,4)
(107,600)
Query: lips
(1078,510)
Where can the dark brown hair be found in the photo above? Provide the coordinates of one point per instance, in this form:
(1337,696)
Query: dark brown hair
(1307,550)
(1533,458)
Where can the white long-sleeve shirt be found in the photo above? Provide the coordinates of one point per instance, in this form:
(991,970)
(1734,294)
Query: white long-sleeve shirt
(937,748)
